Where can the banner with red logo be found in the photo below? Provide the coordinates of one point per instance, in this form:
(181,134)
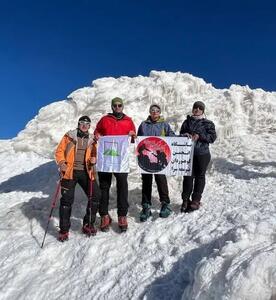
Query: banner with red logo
(172,156)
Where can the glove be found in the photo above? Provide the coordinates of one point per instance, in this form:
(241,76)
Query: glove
(195,137)
(96,137)
(132,134)
(188,135)
(63,167)
(93,161)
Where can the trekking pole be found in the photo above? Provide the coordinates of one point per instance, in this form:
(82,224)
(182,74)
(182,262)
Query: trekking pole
(90,195)
(53,205)
(90,200)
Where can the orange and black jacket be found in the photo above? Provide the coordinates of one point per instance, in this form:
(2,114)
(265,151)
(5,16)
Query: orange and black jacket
(65,153)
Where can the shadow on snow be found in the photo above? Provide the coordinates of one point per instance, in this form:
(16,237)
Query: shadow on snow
(181,281)
(239,171)
(44,179)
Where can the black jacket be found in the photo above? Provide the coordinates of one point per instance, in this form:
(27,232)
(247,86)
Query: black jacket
(204,128)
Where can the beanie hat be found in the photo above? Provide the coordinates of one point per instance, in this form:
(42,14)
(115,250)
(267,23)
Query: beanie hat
(117,100)
(85,118)
(200,105)
(155,105)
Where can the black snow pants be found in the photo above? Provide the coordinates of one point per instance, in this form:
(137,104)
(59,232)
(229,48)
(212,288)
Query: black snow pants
(195,184)
(162,187)
(122,192)
(68,195)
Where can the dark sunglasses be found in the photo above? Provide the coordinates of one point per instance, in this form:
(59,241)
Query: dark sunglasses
(198,107)
(84,123)
(117,105)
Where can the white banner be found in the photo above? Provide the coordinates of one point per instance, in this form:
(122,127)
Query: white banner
(172,156)
(113,154)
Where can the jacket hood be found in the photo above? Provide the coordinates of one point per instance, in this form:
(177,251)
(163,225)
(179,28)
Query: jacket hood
(73,134)
(194,117)
(111,115)
(160,120)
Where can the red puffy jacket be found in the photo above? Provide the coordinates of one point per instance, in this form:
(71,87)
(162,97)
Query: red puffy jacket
(110,125)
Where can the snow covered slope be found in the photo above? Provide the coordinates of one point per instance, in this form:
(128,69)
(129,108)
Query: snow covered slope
(226,250)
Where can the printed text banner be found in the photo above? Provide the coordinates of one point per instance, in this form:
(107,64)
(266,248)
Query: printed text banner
(172,156)
(113,154)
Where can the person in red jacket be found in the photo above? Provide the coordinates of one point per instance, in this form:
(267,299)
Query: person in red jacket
(115,123)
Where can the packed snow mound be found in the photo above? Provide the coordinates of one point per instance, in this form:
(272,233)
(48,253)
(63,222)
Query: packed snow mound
(240,114)
(225,250)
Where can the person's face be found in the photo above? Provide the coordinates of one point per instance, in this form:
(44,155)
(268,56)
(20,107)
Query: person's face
(155,113)
(117,107)
(84,126)
(197,111)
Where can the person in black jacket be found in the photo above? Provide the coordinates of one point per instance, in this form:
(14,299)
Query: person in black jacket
(202,132)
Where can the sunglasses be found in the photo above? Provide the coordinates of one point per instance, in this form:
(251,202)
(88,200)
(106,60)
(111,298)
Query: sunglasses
(155,110)
(198,107)
(84,123)
(117,105)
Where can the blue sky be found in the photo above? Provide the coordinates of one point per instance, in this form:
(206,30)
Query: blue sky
(50,48)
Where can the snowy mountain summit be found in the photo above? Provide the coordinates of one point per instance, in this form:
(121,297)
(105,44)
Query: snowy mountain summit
(225,250)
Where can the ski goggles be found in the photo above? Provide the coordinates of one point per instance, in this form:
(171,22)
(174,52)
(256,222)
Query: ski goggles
(84,123)
(155,110)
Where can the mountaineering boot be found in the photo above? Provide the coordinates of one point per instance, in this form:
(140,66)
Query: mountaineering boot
(185,206)
(64,218)
(145,212)
(165,210)
(89,219)
(89,229)
(63,236)
(194,205)
(105,222)
(122,223)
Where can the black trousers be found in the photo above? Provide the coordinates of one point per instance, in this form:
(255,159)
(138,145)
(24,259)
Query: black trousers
(122,192)
(162,187)
(195,184)
(68,195)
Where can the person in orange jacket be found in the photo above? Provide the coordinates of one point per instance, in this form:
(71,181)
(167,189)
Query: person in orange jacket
(75,156)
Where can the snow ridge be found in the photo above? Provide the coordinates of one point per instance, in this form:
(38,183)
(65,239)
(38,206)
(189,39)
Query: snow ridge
(239,112)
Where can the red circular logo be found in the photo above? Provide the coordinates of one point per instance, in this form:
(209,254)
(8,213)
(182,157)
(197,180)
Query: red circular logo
(153,154)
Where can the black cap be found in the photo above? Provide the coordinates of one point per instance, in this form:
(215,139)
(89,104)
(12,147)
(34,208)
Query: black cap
(155,105)
(85,118)
(200,105)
